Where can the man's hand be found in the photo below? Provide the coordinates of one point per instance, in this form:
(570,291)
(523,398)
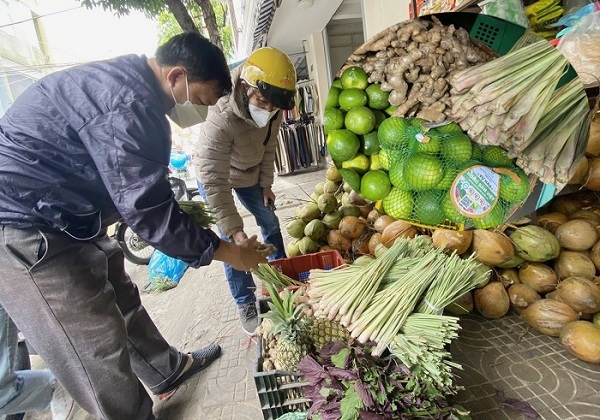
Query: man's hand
(268,197)
(243,256)
(239,236)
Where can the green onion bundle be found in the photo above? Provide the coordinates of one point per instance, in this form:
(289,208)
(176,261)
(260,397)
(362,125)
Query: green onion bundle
(197,210)
(272,277)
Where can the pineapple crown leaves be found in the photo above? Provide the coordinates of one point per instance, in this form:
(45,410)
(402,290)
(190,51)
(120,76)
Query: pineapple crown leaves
(283,314)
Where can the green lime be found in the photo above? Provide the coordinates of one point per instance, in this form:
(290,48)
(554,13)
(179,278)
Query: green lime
(384,159)
(333,119)
(428,207)
(450,211)
(398,204)
(375,185)
(424,143)
(351,98)
(423,171)
(495,156)
(449,176)
(477,153)
(360,120)
(370,143)
(351,178)
(342,145)
(390,109)
(397,175)
(354,77)
(379,117)
(337,83)
(450,128)
(378,99)
(374,162)
(333,97)
(457,148)
(514,191)
(491,220)
(359,163)
(393,133)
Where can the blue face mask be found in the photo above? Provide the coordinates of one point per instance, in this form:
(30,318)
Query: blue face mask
(187,114)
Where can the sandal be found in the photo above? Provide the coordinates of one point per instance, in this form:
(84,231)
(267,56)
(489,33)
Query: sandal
(201,359)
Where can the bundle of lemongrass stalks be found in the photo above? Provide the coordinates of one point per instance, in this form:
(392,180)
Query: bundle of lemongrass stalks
(376,301)
(512,102)
(274,278)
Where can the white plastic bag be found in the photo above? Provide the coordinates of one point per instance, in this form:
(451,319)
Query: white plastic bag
(511,10)
(580,47)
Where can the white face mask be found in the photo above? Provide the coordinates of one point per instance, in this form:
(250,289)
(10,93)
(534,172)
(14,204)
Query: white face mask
(187,114)
(260,116)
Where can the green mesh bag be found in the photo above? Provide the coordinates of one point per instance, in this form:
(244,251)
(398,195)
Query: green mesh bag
(441,178)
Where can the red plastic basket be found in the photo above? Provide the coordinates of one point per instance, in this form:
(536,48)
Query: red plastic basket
(298,268)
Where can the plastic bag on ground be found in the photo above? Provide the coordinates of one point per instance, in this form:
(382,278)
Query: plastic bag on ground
(163,269)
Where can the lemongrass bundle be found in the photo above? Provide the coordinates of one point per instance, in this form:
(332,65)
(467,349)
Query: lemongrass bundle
(274,278)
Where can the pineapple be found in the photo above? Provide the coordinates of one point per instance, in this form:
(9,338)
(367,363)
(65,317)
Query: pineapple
(292,331)
(325,330)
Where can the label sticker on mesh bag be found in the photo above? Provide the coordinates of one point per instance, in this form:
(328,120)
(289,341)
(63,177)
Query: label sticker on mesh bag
(475,191)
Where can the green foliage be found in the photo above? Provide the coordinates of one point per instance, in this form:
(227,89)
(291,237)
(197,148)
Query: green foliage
(122,7)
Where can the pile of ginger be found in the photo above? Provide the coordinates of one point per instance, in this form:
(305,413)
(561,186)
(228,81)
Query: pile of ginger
(414,61)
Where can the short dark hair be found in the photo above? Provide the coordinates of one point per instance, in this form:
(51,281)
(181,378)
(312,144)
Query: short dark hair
(203,60)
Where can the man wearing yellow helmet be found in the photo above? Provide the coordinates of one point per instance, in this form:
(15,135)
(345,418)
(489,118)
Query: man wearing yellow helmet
(236,151)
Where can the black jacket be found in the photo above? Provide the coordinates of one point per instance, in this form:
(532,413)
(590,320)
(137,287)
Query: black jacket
(85,146)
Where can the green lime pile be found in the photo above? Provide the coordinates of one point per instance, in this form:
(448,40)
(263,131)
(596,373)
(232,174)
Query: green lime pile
(406,163)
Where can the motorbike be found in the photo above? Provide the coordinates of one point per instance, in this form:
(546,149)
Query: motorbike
(135,249)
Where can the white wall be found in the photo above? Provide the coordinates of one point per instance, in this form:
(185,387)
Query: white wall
(381,14)
(318,66)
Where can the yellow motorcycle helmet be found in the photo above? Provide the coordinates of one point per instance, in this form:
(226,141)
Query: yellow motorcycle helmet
(273,74)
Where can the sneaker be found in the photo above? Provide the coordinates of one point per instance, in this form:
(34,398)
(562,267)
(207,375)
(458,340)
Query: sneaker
(249,318)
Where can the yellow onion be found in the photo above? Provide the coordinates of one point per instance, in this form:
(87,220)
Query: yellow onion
(534,243)
(551,221)
(574,264)
(538,276)
(491,248)
(577,235)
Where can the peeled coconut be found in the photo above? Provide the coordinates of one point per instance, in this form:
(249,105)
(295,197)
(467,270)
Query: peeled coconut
(492,300)
(452,240)
(534,243)
(351,227)
(296,228)
(332,220)
(366,209)
(293,248)
(514,262)
(382,222)
(307,246)
(327,203)
(551,221)
(372,216)
(315,230)
(595,255)
(461,306)
(309,211)
(582,340)
(349,210)
(577,235)
(395,230)
(491,248)
(521,296)
(356,199)
(508,276)
(538,276)
(337,241)
(579,293)
(574,264)
(587,214)
(330,187)
(373,242)
(548,316)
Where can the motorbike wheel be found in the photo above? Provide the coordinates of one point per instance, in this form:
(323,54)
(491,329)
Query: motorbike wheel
(136,250)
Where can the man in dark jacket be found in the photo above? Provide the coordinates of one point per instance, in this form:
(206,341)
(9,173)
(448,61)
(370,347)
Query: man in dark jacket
(79,150)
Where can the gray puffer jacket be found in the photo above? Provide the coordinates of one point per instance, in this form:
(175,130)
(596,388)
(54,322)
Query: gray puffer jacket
(233,152)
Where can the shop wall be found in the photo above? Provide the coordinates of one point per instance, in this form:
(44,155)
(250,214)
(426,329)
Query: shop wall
(318,66)
(381,14)
(344,37)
